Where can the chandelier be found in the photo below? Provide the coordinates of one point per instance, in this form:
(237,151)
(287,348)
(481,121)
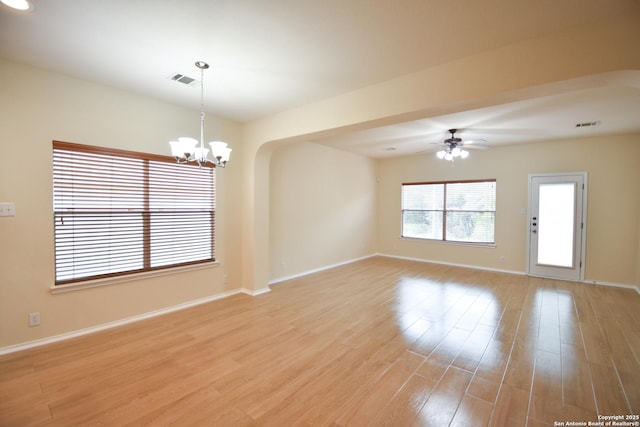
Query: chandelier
(187,149)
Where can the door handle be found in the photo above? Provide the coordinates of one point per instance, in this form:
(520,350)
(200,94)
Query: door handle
(534,231)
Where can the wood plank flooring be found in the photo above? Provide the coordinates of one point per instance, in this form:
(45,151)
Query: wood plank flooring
(379,342)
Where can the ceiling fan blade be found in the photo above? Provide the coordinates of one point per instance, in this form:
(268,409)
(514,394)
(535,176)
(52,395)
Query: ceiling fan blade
(435,146)
(474,141)
(453,141)
(476,147)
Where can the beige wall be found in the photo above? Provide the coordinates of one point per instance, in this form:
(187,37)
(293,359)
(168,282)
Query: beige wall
(37,107)
(323,208)
(612,213)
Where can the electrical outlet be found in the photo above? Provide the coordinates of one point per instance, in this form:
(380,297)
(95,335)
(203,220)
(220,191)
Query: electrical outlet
(226,278)
(502,259)
(7,209)
(34,318)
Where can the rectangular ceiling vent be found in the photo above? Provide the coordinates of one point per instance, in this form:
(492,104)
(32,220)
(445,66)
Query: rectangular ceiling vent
(181,78)
(587,124)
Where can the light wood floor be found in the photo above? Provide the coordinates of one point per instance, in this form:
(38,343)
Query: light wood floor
(377,342)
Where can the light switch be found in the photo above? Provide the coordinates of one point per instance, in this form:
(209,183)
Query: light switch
(7,209)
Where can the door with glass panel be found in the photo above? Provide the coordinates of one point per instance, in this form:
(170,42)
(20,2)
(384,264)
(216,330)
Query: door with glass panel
(556,225)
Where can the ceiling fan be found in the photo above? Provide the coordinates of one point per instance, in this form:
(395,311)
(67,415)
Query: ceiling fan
(454,147)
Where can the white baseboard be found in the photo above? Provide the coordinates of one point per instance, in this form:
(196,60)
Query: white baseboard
(255,293)
(116,323)
(475,267)
(521,273)
(613,284)
(317,270)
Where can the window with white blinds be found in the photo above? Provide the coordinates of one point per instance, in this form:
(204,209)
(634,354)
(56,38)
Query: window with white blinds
(457,211)
(119,212)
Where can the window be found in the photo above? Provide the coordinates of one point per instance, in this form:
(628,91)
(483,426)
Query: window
(119,212)
(462,211)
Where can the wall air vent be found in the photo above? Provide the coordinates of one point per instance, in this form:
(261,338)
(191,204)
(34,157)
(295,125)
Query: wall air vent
(181,78)
(587,124)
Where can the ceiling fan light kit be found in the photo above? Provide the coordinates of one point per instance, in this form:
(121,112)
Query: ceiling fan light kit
(452,154)
(453,148)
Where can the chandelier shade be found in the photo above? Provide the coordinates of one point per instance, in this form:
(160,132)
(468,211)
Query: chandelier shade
(187,149)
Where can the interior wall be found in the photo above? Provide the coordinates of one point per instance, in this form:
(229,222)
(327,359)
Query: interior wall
(322,208)
(612,213)
(37,107)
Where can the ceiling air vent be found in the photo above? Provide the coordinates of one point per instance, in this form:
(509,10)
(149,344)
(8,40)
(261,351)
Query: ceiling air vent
(181,78)
(587,124)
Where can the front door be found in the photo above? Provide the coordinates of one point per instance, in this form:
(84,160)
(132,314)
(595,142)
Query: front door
(556,225)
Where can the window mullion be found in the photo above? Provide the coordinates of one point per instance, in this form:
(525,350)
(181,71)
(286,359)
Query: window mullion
(444,213)
(146,218)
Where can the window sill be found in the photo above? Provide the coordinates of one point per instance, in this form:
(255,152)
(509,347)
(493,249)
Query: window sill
(88,284)
(447,242)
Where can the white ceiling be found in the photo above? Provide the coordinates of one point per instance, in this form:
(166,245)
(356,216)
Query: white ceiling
(615,109)
(272,55)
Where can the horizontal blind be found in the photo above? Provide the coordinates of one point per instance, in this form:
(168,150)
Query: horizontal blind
(471,196)
(119,212)
(471,210)
(422,211)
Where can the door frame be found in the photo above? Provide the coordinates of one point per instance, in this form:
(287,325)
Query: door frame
(583,228)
